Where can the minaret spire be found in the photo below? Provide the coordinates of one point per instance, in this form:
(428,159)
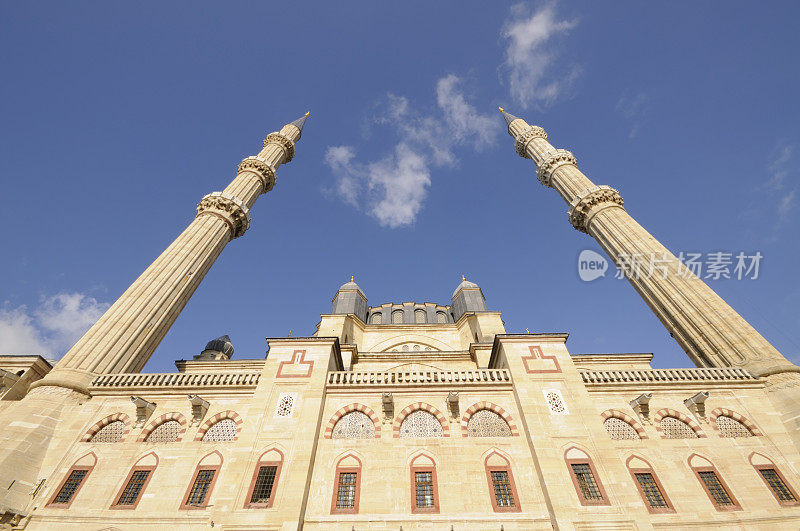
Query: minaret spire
(508,117)
(124,338)
(705,326)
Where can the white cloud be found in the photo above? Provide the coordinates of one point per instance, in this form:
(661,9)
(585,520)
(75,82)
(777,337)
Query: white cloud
(531,54)
(393,188)
(633,108)
(786,204)
(780,168)
(51,328)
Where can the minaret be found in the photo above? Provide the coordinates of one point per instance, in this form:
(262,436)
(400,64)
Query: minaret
(124,338)
(710,331)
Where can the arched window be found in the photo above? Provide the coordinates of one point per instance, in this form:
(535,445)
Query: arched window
(584,476)
(166,432)
(405,348)
(202,484)
(424,487)
(135,484)
(773,479)
(354,425)
(650,488)
(110,433)
(420,317)
(441,317)
(377,318)
(486,423)
(673,428)
(501,484)
(223,430)
(729,427)
(421,424)
(346,485)
(265,480)
(397,317)
(75,479)
(619,429)
(713,484)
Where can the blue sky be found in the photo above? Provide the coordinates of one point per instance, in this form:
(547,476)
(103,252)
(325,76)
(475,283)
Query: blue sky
(117,119)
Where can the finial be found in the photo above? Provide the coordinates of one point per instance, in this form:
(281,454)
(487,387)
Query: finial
(463,278)
(352,278)
(300,122)
(507,116)
(527,331)
(290,334)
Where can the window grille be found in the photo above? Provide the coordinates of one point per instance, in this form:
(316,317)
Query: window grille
(262,490)
(354,425)
(166,432)
(202,484)
(416,347)
(715,488)
(555,402)
(405,348)
(423,482)
(502,489)
(420,317)
(346,494)
(651,491)
(441,317)
(586,481)
(421,424)
(377,318)
(486,423)
(224,430)
(732,428)
(285,406)
(619,429)
(110,433)
(397,317)
(134,487)
(673,428)
(776,485)
(70,486)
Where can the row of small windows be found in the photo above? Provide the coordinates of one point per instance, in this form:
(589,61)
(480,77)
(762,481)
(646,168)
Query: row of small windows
(675,428)
(167,432)
(502,490)
(420,317)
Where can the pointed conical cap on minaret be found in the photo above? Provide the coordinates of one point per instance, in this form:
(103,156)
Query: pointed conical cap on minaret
(300,122)
(507,116)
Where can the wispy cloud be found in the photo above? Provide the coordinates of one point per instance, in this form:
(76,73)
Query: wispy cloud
(532,50)
(393,188)
(779,165)
(782,179)
(51,328)
(633,108)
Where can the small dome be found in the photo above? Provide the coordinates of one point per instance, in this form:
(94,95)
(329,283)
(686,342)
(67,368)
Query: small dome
(221,344)
(465,284)
(351,286)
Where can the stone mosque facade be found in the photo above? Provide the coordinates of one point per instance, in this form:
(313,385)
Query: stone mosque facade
(403,416)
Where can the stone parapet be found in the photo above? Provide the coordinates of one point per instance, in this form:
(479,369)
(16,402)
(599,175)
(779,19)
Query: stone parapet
(668,376)
(413,378)
(182,382)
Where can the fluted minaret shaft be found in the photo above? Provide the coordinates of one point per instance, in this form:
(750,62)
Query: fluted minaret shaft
(124,338)
(705,326)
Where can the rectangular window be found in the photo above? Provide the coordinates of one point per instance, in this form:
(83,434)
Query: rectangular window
(502,489)
(130,494)
(777,485)
(70,487)
(423,487)
(650,489)
(262,490)
(346,493)
(716,489)
(586,482)
(199,491)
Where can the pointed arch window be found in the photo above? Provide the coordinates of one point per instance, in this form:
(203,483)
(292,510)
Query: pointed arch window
(713,484)
(503,490)
(424,485)
(774,480)
(264,484)
(73,482)
(201,486)
(135,484)
(650,488)
(584,477)
(346,486)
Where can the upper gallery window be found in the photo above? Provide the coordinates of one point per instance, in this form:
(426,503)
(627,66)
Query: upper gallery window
(166,432)
(421,424)
(673,428)
(377,318)
(397,317)
(420,317)
(619,429)
(441,317)
(223,430)
(486,423)
(354,425)
(732,428)
(110,433)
